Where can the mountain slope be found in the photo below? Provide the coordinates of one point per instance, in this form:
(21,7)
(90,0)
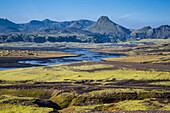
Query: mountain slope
(33,25)
(7,26)
(105,26)
(85,23)
(7,23)
(148,32)
(76,25)
(8,29)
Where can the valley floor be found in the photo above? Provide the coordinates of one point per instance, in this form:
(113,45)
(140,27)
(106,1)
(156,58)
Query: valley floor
(121,84)
(10,57)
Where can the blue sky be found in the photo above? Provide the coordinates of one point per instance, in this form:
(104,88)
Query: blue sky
(129,13)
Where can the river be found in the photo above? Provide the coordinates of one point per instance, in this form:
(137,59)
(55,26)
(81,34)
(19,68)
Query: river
(84,55)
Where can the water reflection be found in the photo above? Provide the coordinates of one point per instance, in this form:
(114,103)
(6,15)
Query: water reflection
(85,55)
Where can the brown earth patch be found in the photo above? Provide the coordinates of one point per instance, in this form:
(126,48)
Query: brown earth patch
(130,65)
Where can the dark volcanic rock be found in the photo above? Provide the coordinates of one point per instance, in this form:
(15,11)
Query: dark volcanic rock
(105,25)
(47,103)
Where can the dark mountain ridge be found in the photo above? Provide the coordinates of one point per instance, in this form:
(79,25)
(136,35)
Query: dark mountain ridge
(148,32)
(7,23)
(37,24)
(8,26)
(104,30)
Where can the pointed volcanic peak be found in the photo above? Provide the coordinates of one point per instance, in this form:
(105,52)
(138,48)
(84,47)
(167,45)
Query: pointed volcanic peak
(105,26)
(105,19)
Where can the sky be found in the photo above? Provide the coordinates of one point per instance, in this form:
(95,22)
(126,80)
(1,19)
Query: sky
(133,14)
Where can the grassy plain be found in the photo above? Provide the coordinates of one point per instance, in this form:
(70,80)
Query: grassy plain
(166,83)
(86,86)
(151,105)
(37,54)
(142,54)
(62,73)
(15,104)
(91,86)
(62,45)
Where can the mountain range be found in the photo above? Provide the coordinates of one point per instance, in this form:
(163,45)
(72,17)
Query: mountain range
(104,30)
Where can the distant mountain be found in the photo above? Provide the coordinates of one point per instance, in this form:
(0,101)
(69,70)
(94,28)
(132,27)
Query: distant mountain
(75,30)
(85,23)
(105,26)
(8,29)
(76,25)
(104,30)
(148,32)
(8,26)
(7,23)
(48,22)
(33,25)
(37,25)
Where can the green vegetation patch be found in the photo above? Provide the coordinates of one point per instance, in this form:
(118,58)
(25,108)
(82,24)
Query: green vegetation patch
(127,105)
(165,83)
(14,104)
(89,67)
(141,54)
(63,100)
(34,92)
(146,104)
(78,109)
(25,109)
(61,73)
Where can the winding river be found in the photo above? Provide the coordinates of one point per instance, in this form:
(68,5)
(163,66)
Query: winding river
(84,55)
